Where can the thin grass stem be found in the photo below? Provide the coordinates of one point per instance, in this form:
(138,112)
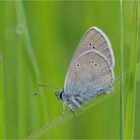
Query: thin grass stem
(2,105)
(130,108)
(25,40)
(22,29)
(121,75)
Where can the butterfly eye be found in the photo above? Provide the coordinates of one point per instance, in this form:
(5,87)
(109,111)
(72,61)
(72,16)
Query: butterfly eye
(84,44)
(78,65)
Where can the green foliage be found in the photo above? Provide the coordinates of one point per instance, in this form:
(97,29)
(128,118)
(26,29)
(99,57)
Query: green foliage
(2,121)
(37,41)
(130,108)
(121,74)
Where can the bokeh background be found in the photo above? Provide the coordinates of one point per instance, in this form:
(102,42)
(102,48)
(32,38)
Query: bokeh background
(37,41)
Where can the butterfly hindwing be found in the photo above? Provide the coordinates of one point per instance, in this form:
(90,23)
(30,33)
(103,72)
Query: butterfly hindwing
(90,70)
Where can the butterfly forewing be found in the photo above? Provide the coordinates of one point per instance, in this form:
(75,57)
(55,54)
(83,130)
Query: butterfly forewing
(95,39)
(90,70)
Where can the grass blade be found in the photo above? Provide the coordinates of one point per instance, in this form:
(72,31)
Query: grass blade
(22,28)
(2,109)
(138,72)
(24,39)
(130,108)
(121,75)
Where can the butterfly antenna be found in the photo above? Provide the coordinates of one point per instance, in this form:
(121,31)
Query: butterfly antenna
(36,93)
(42,85)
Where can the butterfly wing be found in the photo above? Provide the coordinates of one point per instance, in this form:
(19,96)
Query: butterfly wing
(90,72)
(95,39)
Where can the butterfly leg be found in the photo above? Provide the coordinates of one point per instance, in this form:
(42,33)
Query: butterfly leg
(74,105)
(64,107)
(107,90)
(77,104)
(74,111)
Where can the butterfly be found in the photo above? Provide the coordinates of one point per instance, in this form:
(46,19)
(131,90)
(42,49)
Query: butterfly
(91,71)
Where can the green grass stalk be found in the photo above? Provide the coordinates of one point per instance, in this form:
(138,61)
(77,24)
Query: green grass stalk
(138,72)
(25,40)
(22,28)
(130,108)
(2,108)
(121,75)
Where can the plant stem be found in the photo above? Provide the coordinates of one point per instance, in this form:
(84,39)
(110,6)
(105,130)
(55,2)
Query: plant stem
(121,75)
(24,38)
(2,105)
(130,108)
(22,29)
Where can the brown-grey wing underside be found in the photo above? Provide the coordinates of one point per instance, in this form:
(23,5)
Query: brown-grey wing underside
(89,71)
(95,39)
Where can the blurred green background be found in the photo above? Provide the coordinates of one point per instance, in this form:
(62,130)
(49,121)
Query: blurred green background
(41,53)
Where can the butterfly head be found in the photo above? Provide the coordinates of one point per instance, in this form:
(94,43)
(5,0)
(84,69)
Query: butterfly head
(59,94)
